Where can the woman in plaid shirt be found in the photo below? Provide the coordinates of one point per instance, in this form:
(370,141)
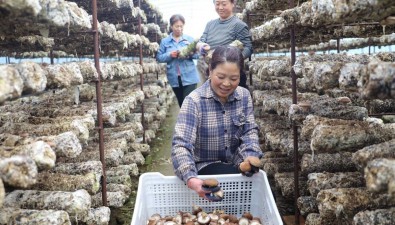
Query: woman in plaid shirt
(215,129)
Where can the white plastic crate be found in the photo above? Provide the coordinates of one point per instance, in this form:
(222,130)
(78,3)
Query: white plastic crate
(168,195)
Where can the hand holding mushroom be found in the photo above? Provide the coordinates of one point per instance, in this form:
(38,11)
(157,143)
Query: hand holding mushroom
(207,189)
(215,192)
(250,165)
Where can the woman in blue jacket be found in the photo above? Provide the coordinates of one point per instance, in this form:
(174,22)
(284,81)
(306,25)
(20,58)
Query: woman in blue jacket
(181,71)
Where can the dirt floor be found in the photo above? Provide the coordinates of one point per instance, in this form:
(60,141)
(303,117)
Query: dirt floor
(157,161)
(159,158)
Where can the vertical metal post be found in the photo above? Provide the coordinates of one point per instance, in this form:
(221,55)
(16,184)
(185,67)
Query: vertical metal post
(141,77)
(294,127)
(338,45)
(99,101)
(51,56)
(156,33)
(249,58)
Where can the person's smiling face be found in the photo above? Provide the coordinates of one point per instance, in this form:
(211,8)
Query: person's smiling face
(224,8)
(224,79)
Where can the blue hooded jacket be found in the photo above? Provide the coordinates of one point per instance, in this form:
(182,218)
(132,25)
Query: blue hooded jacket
(183,66)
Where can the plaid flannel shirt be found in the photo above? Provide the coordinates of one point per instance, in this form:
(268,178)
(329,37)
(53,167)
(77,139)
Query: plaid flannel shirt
(208,131)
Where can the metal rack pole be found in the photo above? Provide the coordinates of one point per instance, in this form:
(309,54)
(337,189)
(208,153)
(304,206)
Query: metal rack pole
(141,77)
(99,101)
(51,56)
(294,126)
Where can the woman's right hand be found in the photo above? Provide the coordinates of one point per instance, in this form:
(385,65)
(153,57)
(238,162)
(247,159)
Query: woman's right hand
(196,185)
(174,54)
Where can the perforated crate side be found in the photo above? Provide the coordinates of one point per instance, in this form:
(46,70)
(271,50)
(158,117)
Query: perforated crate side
(168,195)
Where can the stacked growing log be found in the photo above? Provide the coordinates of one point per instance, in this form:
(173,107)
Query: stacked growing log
(58,146)
(316,21)
(49,157)
(346,157)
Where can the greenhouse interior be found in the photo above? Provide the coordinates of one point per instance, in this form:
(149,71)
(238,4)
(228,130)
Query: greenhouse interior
(83,101)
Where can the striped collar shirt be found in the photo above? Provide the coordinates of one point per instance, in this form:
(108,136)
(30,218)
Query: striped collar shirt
(208,131)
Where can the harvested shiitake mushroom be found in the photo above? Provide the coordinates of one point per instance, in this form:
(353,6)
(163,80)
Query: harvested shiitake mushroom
(210,182)
(196,209)
(154,218)
(168,218)
(213,217)
(245,167)
(203,218)
(214,191)
(250,165)
(243,221)
(247,215)
(255,222)
(224,216)
(257,219)
(254,161)
(151,222)
(221,221)
(210,185)
(178,219)
(170,223)
(186,217)
(233,219)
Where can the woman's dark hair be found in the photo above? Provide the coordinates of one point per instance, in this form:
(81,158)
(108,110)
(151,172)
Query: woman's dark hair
(224,54)
(176,17)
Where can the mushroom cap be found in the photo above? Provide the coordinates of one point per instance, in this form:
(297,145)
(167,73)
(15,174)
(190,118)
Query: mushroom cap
(254,161)
(155,216)
(224,216)
(233,219)
(177,219)
(170,223)
(210,182)
(344,100)
(245,166)
(203,218)
(243,221)
(196,209)
(255,222)
(221,221)
(151,222)
(256,219)
(168,218)
(214,217)
(247,215)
